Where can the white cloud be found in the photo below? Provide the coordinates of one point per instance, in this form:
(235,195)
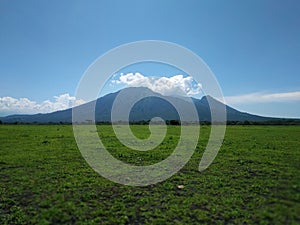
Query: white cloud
(263,98)
(24,105)
(175,85)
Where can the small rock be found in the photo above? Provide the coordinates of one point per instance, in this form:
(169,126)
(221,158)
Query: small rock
(181,186)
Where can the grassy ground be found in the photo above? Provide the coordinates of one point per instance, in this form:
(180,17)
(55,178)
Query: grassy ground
(255,179)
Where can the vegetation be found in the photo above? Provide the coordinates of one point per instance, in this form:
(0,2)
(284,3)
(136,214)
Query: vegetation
(275,122)
(255,179)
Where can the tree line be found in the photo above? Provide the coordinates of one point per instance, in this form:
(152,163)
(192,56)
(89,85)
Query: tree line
(177,122)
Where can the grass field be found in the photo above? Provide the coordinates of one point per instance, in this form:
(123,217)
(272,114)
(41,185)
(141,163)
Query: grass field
(255,179)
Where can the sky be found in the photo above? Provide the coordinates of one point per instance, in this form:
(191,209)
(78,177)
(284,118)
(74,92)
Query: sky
(252,47)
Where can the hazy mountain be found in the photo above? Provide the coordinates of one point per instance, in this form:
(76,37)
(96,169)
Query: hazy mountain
(145,109)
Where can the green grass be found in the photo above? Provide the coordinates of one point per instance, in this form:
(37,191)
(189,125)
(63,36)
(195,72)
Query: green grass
(255,179)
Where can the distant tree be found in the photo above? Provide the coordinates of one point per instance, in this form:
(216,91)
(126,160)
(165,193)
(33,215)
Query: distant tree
(205,123)
(246,122)
(174,122)
(1,122)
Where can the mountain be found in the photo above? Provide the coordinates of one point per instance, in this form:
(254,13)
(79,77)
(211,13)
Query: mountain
(145,109)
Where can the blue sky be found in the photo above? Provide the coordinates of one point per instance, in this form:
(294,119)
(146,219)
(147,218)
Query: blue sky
(253,47)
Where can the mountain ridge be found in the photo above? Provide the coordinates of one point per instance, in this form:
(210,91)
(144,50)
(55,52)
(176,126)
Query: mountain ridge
(144,110)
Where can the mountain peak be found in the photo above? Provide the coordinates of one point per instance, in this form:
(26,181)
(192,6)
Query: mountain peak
(143,89)
(207,97)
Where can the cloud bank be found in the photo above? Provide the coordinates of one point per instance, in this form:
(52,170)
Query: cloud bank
(24,105)
(175,85)
(263,98)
